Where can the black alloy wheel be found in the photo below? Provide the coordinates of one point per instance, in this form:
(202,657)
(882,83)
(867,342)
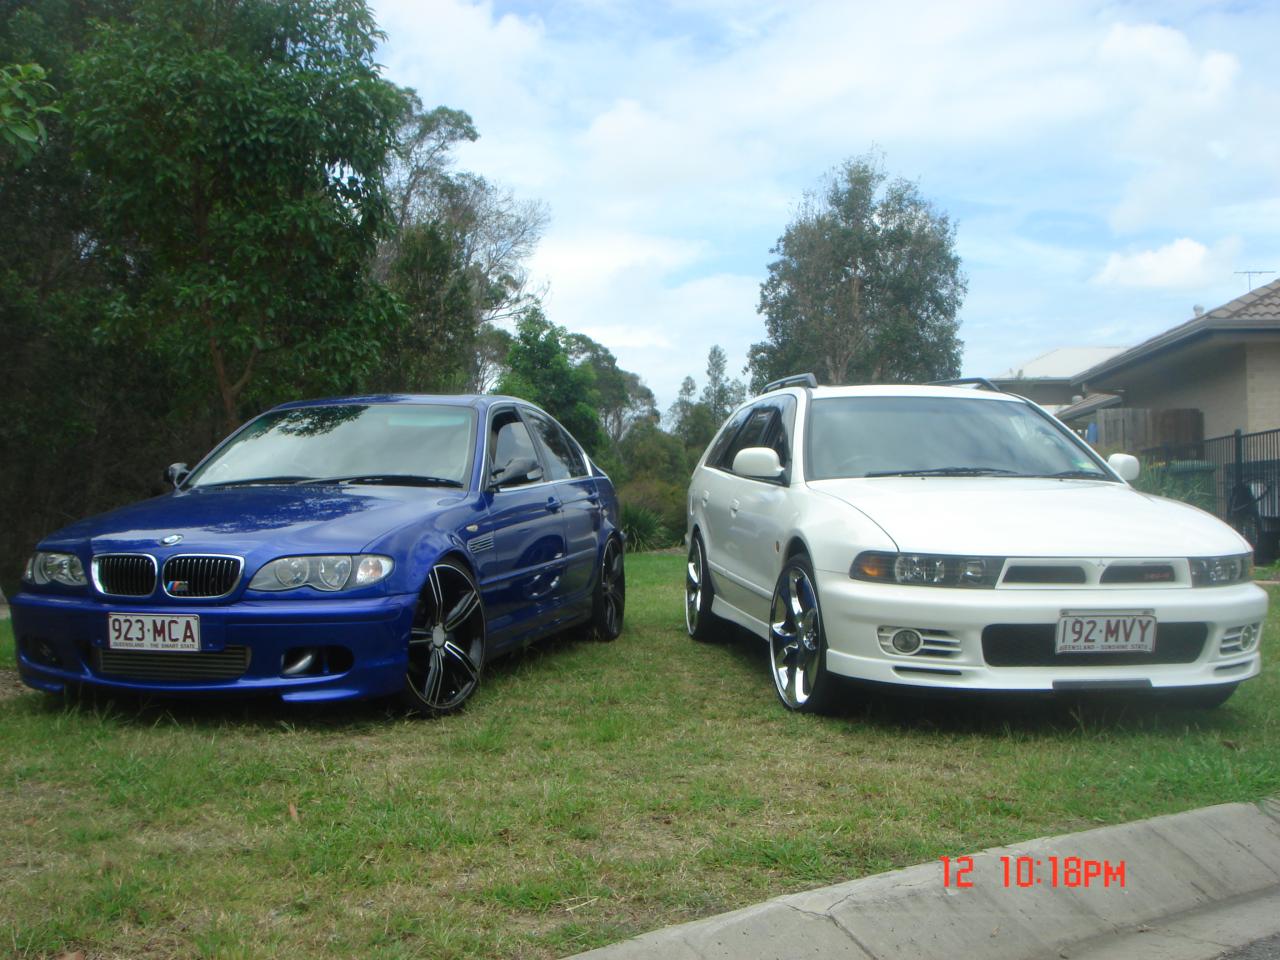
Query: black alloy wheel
(446,643)
(609,602)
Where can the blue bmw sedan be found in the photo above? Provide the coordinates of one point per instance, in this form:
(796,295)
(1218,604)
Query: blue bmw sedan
(333,550)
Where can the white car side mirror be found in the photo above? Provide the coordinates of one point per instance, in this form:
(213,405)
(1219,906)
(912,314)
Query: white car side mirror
(1126,465)
(761,463)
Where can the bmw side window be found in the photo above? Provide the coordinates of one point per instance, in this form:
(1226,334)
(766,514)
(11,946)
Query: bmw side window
(510,448)
(563,459)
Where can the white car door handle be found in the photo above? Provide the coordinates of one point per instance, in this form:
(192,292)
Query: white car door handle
(706,495)
(733,506)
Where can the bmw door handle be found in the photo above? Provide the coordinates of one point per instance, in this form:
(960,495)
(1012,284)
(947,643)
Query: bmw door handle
(553,505)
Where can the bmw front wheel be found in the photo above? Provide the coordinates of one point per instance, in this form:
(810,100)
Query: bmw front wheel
(798,642)
(446,643)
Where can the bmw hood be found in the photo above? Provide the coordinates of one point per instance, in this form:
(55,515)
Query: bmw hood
(302,519)
(1032,517)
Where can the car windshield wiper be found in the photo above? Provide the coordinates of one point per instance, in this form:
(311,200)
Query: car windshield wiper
(948,472)
(250,480)
(389,479)
(1072,475)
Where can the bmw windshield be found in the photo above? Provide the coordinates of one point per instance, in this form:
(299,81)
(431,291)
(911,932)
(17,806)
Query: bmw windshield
(389,443)
(940,436)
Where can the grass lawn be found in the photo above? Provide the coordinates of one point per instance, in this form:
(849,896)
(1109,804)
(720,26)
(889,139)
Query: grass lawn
(589,792)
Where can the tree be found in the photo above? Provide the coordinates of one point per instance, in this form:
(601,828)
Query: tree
(622,397)
(540,370)
(866,286)
(691,420)
(238,153)
(456,258)
(23,107)
(721,394)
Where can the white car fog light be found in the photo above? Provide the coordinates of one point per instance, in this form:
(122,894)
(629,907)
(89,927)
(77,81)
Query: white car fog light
(1249,636)
(907,641)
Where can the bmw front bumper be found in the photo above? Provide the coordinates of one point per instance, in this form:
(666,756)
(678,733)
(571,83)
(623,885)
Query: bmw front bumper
(245,647)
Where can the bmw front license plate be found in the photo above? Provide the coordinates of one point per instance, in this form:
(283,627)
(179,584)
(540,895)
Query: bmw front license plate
(143,631)
(1106,632)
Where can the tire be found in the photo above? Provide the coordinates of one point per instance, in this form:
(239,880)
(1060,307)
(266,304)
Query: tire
(446,642)
(702,624)
(798,641)
(609,602)
(1200,698)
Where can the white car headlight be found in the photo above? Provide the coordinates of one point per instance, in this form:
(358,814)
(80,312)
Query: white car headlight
(927,569)
(1221,571)
(63,568)
(328,573)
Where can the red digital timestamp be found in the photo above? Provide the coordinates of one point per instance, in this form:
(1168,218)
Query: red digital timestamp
(1025,871)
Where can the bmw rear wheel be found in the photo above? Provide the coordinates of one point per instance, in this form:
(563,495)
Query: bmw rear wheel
(610,599)
(446,643)
(798,642)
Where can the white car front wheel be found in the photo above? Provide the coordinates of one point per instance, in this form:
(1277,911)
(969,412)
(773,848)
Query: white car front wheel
(797,641)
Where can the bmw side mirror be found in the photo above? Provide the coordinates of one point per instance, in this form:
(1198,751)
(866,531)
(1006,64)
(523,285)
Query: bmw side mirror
(760,463)
(1126,465)
(175,473)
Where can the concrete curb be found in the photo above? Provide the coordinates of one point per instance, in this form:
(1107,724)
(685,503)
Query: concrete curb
(1187,863)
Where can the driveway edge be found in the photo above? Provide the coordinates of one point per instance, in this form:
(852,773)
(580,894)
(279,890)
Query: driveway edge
(1184,863)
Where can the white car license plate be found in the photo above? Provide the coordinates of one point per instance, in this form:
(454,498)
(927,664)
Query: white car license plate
(144,631)
(1106,633)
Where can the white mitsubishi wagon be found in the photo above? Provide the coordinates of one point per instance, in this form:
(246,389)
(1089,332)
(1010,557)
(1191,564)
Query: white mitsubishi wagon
(941,537)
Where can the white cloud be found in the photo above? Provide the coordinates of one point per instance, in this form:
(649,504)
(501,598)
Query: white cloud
(1184,263)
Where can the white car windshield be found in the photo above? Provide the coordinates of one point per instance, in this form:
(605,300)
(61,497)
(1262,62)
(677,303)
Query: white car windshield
(392,443)
(940,436)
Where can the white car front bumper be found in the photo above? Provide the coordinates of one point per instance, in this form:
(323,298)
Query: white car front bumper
(1019,627)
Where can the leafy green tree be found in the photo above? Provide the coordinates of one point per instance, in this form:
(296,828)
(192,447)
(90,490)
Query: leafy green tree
(539,369)
(866,286)
(456,258)
(24,97)
(622,397)
(721,394)
(692,421)
(238,152)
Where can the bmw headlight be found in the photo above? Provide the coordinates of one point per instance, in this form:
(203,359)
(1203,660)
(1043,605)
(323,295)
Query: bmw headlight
(63,568)
(1221,571)
(328,573)
(927,569)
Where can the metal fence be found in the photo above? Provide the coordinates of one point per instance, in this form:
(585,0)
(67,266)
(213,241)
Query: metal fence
(1236,476)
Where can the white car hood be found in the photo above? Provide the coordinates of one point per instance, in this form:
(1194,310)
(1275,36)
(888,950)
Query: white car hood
(1030,517)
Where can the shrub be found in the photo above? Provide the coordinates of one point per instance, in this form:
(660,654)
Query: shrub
(643,529)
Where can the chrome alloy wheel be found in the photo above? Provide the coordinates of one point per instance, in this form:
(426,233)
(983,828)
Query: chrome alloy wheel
(694,572)
(446,643)
(613,595)
(795,638)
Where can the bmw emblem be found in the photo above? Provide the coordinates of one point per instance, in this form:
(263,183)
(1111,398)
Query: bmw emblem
(171,539)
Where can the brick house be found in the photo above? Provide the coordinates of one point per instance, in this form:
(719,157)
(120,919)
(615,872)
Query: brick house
(1216,373)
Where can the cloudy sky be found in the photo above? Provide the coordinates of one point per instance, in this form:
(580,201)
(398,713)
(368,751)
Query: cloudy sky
(1109,165)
